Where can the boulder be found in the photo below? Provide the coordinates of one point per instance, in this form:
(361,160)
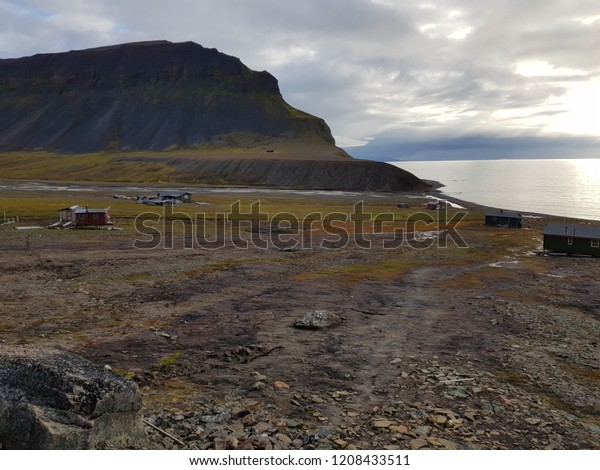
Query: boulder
(54,399)
(318,319)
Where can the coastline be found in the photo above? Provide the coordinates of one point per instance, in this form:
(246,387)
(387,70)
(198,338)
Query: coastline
(437,192)
(560,189)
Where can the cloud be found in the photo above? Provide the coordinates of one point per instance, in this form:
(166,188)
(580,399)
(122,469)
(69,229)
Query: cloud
(375,70)
(474,147)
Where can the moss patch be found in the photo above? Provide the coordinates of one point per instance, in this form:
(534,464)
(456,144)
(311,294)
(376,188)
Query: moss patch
(170,360)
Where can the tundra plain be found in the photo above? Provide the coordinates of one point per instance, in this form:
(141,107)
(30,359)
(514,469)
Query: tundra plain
(436,344)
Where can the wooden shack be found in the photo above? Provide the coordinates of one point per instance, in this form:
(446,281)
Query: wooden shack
(76,216)
(572,239)
(502,218)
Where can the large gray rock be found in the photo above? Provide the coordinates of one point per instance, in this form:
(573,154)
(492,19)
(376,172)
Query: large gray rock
(53,399)
(318,319)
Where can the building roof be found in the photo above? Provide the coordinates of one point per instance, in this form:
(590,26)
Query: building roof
(572,230)
(83,210)
(503,213)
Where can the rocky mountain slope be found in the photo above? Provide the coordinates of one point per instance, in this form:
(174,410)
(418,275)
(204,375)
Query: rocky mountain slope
(152,95)
(170,97)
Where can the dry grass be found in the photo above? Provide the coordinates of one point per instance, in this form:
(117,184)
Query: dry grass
(142,276)
(560,404)
(228,264)
(348,275)
(511,376)
(88,167)
(482,277)
(468,280)
(148,167)
(586,374)
(173,392)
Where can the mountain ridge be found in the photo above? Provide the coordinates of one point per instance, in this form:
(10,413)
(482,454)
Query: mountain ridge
(167,98)
(153,95)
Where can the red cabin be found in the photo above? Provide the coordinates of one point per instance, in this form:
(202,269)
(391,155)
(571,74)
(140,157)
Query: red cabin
(84,217)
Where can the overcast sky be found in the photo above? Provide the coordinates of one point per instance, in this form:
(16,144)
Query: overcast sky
(394,79)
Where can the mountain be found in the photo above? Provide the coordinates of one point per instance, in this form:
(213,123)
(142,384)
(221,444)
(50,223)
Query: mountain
(151,95)
(167,98)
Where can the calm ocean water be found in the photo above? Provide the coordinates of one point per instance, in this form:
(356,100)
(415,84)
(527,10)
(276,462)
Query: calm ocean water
(565,188)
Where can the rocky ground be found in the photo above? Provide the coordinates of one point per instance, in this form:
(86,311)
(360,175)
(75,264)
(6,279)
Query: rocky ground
(485,347)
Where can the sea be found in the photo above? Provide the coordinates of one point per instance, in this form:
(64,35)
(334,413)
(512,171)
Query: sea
(561,187)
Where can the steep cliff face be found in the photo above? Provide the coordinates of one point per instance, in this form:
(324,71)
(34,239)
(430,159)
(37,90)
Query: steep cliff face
(153,95)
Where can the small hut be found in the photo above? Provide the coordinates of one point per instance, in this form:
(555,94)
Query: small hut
(502,218)
(76,216)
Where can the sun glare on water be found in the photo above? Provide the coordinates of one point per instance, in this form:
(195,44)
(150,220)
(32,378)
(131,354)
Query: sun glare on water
(589,171)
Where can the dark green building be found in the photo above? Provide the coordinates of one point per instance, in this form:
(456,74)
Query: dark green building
(502,218)
(572,239)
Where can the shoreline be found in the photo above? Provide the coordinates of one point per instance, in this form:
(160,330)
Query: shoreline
(438,192)
(204,191)
(556,190)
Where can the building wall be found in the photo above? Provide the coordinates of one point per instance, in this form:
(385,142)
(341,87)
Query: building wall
(495,221)
(66,215)
(91,218)
(581,246)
